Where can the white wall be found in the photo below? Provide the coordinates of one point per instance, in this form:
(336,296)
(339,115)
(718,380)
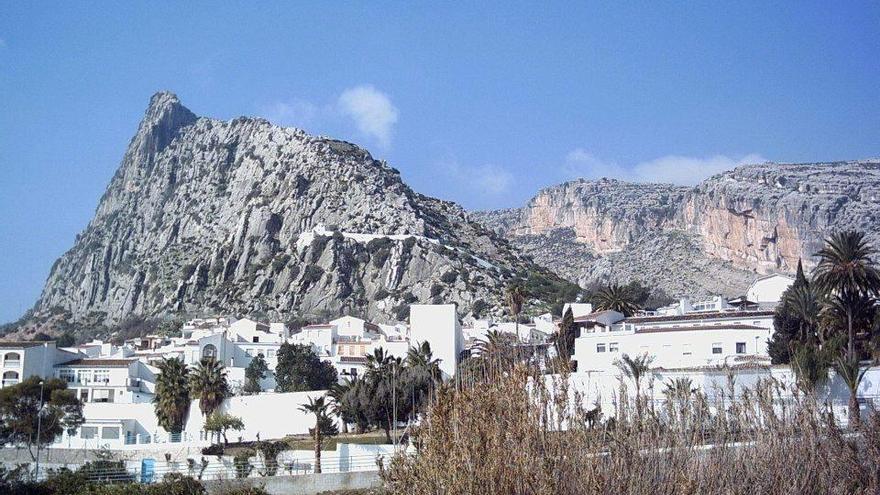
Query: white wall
(438,325)
(769,289)
(673,349)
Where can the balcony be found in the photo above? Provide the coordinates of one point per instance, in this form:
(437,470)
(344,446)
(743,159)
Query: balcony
(12,363)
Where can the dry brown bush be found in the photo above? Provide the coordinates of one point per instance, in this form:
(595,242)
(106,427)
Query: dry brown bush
(520,435)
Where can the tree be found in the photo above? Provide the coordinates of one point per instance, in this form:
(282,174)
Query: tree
(635,369)
(352,402)
(810,366)
(299,369)
(616,298)
(516,297)
(565,336)
(383,392)
(22,413)
(208,384)
(256,371)
(219,422)
(846,271)
(323,425)
(420,378)
(172,398)
(851,374)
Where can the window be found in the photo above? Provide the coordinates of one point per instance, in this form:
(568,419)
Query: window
(102,376)
(110,433)
(209,351)
(102,395)
(84,394)
(612,347)
(12,359)
(256,338)
(600,347)
(67,375)
(88,432)
(716,348)
(84,376)
(740,347)
(10,378)
(271,353)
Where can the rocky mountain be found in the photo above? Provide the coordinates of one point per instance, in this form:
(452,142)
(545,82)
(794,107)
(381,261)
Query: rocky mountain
(709,239)
(239,217)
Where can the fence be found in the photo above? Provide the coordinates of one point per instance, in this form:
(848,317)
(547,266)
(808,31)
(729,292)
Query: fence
(209,468)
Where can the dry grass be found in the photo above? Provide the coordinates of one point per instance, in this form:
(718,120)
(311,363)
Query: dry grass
(499,438)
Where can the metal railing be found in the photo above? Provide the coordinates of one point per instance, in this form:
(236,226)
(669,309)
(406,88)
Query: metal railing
(226,469)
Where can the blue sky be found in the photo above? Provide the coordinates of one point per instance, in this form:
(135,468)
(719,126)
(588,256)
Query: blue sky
(478,104)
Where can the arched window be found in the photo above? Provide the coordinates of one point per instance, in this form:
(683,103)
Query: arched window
(12,358)
(10,378)
(209,351)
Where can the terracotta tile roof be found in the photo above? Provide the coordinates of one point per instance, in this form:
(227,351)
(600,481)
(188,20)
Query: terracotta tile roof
(353,359)
(98,363)
(699,316)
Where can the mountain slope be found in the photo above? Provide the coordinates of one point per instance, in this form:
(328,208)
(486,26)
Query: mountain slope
(709,239)
(240,216)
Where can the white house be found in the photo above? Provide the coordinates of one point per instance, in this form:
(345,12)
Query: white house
(22,360)
(109,380)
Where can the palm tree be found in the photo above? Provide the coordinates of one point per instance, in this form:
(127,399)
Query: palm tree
(805,304)
(846,270)
(323,424)
(208,384)
(421,357)
(516,297)
(852,374)
(337,394)
(616,298)
(172,400)
(635,369)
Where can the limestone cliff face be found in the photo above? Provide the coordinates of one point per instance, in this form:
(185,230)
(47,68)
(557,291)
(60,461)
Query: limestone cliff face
(708,239)
(765,217)
(233,217)
(607,215)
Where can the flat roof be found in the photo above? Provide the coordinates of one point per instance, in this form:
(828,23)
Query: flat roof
(21,344)
(698,316)
(98,363)
(697,328)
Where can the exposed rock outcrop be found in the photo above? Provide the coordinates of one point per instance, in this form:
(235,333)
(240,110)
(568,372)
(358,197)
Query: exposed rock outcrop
(234,217)
(708,239)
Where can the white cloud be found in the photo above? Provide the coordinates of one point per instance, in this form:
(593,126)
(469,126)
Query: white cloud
(487,178)
(371,110)
(676,169)
(368,109)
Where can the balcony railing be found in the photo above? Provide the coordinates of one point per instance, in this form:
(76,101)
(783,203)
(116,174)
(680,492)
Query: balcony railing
(12,363)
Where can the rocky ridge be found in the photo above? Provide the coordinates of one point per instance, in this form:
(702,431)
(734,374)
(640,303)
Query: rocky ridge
(709,239)
(241,217)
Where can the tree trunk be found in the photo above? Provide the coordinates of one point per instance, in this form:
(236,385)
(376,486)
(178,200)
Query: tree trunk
(851,350)
(854,412)
(317,448)
(344,426)
(225,441)
(388,434)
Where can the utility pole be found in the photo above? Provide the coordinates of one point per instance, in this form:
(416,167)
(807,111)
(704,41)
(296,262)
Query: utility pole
(40,411)
(394,405)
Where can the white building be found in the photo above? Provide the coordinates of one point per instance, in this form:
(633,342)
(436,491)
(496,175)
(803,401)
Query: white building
(694,339)
(109,380)
(767,291)
(437,324)
(22,360)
